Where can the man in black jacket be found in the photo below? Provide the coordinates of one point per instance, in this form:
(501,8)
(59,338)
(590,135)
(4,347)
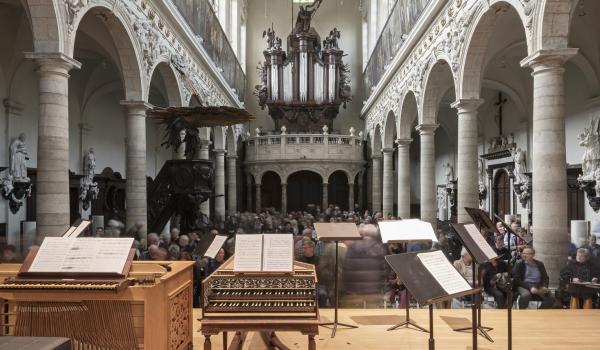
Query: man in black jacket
(531,278)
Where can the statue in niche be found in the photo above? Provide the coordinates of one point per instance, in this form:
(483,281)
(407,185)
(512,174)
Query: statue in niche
(88,188)
(590,140)
(18,159)
(182,137)
(520,168)
(449,173)
(89,165)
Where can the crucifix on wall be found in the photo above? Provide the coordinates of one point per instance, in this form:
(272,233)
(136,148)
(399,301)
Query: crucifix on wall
(498,117)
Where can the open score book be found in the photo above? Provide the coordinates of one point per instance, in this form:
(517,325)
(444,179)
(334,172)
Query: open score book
(264,253)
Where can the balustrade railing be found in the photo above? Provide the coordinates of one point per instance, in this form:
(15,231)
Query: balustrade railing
(204,23)
(285,146)
(401,21)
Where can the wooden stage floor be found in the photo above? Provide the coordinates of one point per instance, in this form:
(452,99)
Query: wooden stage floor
(532,330)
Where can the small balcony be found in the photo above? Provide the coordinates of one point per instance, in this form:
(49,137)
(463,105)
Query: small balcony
(345,148)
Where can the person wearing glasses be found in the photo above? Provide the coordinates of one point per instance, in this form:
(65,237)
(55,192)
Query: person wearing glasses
(531,278)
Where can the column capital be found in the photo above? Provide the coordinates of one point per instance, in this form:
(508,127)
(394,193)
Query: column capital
(426,129)
(467,105)
(204,143)
(219,151)
(53,59)
(543,60)
(376,156)
(136,107)
(401,143)
(231,156)
(283,184)
(387,150)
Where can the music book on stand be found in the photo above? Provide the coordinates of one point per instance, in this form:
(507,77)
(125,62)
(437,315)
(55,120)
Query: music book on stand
(409,230)
(336,231)
(475,243)
(210,247)
(429,276)
(264,253)
(480,218)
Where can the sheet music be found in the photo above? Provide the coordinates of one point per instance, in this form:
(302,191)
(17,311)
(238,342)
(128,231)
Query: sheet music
(214,247)
(82,255)
(485,247)
(248,253)
(278,251)
(406,231)
(444,273)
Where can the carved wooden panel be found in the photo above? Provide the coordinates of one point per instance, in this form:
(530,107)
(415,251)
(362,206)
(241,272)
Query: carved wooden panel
(179,319)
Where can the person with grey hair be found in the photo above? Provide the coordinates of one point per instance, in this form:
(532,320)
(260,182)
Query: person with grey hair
(165,240)
(577,271)
(530,278)
(153,239)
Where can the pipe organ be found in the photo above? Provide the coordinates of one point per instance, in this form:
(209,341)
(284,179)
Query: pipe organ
(304,86)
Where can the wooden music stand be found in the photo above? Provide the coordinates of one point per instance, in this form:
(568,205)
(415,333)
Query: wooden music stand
(481,252)
(402,231)
(327,232)
(424,286)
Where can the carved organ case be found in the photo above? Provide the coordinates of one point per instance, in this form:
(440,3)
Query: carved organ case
(305,86)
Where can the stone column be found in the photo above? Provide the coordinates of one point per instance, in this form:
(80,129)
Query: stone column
(467,164)
(361,202)
(376,183)
(204,154)
(325,203)
(428,190)
(220,183)
(350,197)
(52,186)
(403,165)
(231,184)
(258,204)
(283,198)
(135,166)
(248,192)
(549,188)
(388,181)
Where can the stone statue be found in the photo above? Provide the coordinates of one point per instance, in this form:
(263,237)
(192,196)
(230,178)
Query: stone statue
(590,140)
(179,151)
(305,15)
(449,173)
(325,130)
(18,159)
(520,168)
(89,165)
(270,34)
(352,131)
(331,42)
(283,130)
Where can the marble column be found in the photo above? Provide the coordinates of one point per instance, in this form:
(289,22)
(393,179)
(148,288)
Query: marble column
(403,165)
(376,184)
(388,182)
(52,184)
(231,184)
(325,203)
(428,189)
(220,183)
(204,154)
(467,163)
(361,201)
(135,166)
(258,205)
(248,192)
(549,188)
(283,198)
(350,197)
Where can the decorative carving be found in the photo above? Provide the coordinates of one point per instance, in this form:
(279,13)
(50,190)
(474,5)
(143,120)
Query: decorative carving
(88,188)
(523,189)
(262,283)
(16,185)
(72,7)
(482,177)
(520,166)
(179,311)
(589,180)
(449,173)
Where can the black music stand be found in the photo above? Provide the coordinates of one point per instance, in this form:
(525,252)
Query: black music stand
(394,232)
(336,232)
(425,286)
(482,252)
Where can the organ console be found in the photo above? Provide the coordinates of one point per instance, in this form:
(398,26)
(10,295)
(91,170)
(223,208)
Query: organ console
(261,301)
(150,308)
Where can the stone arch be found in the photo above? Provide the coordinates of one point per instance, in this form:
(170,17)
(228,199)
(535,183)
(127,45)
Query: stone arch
(345,171)
(390,129)
(338,181)
(304,167)
(376,143)
(230,140)
(172,86)
(473,60)
(553,24)
(47,26)
(304,186)
(123,38)
(438,80)
(409,112)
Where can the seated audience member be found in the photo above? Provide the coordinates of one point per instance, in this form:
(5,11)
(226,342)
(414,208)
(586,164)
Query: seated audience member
(308,252)
(495,275)
(157,254)
(593,247)
(580,270)
(165,240)
(308,256)
(174,234)
(464,265)
(214,264)
(99,231)
(173,252)
(530,278)
(184,243)
(9,254)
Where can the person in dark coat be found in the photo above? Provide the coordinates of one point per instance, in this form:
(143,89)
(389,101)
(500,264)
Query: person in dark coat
(580,270)
(530,278)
